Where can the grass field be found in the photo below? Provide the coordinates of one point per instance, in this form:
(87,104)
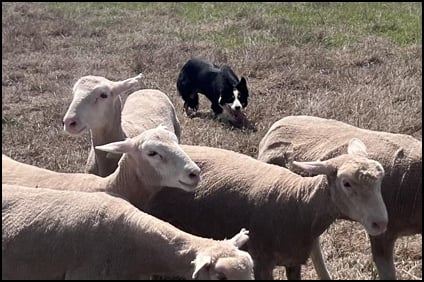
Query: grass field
(359,63)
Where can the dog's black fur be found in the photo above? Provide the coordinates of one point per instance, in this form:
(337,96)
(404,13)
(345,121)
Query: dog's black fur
(218,84)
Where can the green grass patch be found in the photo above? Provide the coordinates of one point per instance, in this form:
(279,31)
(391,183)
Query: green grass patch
(330,24)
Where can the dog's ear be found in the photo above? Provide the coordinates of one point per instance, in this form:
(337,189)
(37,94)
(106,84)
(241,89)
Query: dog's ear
(243,81)
(242,86)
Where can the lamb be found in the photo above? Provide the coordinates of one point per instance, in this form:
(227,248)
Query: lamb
(283,211)
(307,137)
(50,234)
(96,106)
(151,161)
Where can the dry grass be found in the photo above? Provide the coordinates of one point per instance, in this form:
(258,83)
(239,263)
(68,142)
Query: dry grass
(369,82)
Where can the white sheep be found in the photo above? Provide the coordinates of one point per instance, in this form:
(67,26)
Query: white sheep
(50,234)
(151,161)
(97,106)
(306,137)
(283,211)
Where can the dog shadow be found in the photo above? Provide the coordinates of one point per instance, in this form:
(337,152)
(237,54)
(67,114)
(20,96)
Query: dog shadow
(202,115)
(246,124)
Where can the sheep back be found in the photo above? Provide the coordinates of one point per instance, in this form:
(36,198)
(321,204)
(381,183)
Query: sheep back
(239,191)
(148,108)
(303,138)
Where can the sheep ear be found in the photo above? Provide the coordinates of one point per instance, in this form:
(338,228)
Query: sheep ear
(315,168)
(119,147)
(200,262)
(357,147)
(241,238)
(163,126)
(123,86)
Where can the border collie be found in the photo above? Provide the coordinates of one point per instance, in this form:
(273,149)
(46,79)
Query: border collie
(220,85)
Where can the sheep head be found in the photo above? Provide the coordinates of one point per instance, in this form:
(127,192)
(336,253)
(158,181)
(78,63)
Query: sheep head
(158,159)
(225,263)
(355,186)
(95,102)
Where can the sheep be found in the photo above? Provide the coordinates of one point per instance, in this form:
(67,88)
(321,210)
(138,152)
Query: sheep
(50,234)
(151,161)
(283,211)
(96,106)
(307,137)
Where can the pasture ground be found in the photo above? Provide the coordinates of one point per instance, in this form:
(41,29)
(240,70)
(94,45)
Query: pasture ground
(357,63)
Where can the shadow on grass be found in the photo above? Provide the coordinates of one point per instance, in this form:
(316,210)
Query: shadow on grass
(245,125)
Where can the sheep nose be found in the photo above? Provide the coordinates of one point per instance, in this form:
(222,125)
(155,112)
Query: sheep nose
(380,226)
(70,123)
(194,174)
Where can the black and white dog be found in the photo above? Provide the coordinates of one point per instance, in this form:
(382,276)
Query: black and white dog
(220,85)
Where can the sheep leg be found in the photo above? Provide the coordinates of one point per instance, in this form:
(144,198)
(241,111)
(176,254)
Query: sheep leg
(293,272)
(91,165)
(263,270)
(382,248)
(318,261)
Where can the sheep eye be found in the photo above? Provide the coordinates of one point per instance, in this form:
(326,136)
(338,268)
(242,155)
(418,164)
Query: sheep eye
(152,153)
(103,95)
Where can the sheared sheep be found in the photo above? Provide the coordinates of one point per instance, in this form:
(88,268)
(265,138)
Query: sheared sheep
(151,161)
(283,211)
(305,137)
(48,234)
(97,106)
